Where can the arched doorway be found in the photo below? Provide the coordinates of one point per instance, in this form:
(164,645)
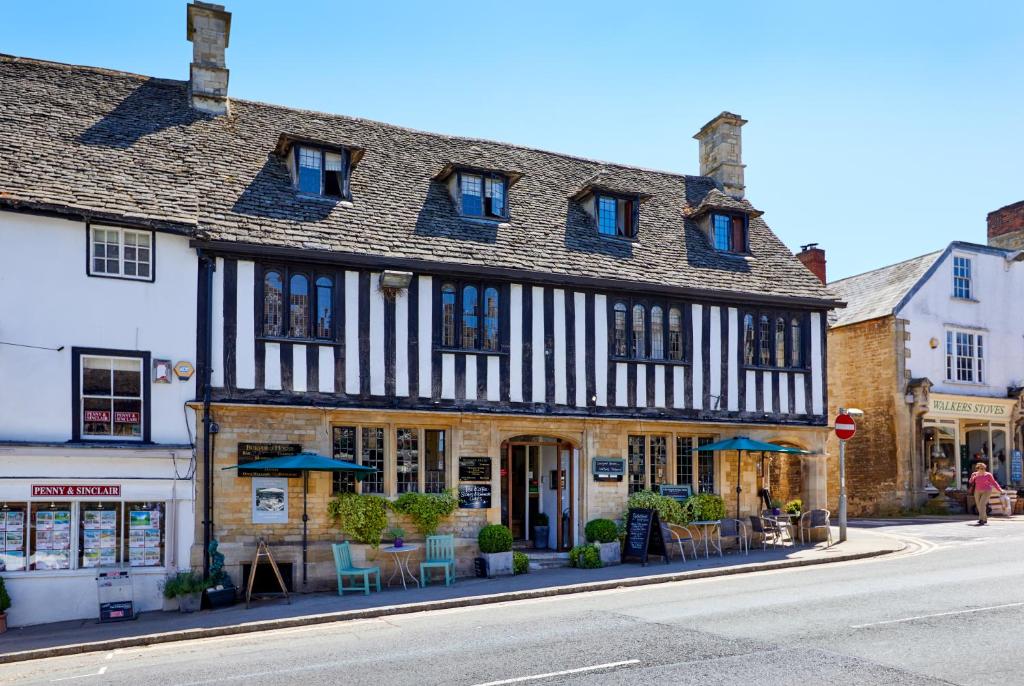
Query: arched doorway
(538,478)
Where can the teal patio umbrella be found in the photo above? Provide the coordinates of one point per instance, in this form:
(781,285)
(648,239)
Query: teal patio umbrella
(742,444)
(306,462)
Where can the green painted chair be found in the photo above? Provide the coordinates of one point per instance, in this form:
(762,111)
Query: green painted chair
(343,567)
(440,552)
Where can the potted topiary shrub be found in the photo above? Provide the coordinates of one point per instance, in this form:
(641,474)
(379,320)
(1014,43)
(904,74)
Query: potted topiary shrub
(220,591)
(495,543)
(5,605)
(604,534)
(520,562)
(540,530)
(398,533)
(587,556)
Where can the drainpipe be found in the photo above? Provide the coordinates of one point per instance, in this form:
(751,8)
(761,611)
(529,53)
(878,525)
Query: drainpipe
(207,264)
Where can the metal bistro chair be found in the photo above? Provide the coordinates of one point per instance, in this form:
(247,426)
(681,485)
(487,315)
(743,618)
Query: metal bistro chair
(783,526)
(343,567)
(760,526)
(440,552)
(815,519)
(680,534)
(734,528)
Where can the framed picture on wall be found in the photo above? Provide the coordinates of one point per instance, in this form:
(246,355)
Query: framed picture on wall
(269,500)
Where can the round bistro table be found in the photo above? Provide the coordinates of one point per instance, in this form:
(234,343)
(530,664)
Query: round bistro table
(707,526)
(400,566)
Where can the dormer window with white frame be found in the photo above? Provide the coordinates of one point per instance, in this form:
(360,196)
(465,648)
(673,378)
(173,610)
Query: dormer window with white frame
(617,216)
(322,171)
(121,253)
(482,195)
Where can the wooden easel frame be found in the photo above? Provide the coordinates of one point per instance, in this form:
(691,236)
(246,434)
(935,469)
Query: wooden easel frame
(263,550)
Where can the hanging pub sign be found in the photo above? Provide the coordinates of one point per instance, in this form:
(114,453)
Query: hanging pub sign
(474,496)
(643,536)
(250,454)
(680,492)
(608,468)
(474,469)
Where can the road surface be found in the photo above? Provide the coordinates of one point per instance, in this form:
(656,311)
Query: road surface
(950,610)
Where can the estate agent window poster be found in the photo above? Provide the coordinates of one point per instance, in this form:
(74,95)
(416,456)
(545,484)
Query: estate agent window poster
(51,540)
(99,531)
(12,538)
(269,500)
(145,534)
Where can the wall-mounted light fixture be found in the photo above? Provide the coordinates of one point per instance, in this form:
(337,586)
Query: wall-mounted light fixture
(395,279)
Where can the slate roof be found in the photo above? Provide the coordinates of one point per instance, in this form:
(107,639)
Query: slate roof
(717,200)
(877,293)
(109,144)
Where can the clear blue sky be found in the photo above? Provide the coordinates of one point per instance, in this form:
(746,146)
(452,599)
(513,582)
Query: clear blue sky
(881,130)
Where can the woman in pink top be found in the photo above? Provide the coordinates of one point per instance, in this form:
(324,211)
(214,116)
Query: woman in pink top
(983,484)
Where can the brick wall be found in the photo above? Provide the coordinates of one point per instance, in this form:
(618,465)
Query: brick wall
(1006,226)
(865,371)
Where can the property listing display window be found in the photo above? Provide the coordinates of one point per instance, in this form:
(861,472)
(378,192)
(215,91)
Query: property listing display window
(111,397)
(121,253)
(470,316)
(49,536)
(420,459)
(654,460)
(649,331)
(298,303)
(774,341)
(13,527)
(965,357)
(962,277)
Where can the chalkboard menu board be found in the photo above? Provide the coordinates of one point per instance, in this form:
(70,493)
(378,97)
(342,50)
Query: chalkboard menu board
(250,453)
(609,468)
(474,496)
(474,469)
(680,492)
(643,536)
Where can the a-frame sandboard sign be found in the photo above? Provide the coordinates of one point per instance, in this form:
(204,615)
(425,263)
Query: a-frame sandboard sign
(262,550)
(643,536)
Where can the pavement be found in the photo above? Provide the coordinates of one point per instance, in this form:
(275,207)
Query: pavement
(67,638)
(946,609)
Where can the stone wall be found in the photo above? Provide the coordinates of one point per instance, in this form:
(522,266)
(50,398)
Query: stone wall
(1006,226)
(865,370)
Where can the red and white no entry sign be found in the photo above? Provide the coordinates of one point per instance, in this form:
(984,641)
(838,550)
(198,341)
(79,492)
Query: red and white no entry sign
(845,427)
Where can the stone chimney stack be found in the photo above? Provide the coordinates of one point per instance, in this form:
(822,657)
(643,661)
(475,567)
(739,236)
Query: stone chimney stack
(209,28)
(721,152)
(813,258)
(1006,227)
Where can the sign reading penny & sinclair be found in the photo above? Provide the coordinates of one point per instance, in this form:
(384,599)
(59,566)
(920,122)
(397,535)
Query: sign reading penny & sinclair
(75,491)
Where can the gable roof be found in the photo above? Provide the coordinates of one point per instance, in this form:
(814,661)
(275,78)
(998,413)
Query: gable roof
(877,293)
(105,144)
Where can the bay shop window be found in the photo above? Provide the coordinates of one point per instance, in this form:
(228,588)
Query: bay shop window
(408,459)
(64,535)
(654,460)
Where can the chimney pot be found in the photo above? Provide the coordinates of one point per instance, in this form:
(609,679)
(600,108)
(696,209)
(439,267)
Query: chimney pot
(1006,227)
(721,152)
(813,258)
(208,29)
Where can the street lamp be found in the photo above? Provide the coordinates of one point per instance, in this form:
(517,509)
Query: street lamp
(855,414)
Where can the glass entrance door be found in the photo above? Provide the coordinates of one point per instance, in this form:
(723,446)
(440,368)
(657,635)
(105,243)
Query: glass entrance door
(537,477)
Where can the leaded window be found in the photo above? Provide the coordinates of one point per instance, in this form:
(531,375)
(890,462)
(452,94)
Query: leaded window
(372,455)
(344,447)
(764,335)
(407,460)
(796,343)
(298,306)
(321,171)
(616,216)
(490,340)
(729,233)
(684,460)
(659,461)
(723,232)
(472,188)
(637,455)
(675,334)
(639,347)
(470,317)
(483,195)
(435,473)
(620,343)
(448,315)
(273,304)
(961,277)
(695,468)
(705,467)
(324,307)
(780,342)
(657,334)
(473,324)
(749,339)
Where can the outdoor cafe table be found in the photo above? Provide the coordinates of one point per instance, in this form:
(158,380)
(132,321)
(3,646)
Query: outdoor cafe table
(707,526)
(401,556)
(784,521)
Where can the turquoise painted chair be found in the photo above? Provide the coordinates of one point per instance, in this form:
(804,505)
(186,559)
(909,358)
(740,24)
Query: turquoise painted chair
(343,567)
(440,552)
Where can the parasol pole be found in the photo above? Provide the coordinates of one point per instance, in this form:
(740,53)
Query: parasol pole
(305,521)
(739,454)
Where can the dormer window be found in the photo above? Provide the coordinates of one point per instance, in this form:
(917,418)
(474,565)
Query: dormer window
(616,216)
(321,171)
(482,195)
(729,233)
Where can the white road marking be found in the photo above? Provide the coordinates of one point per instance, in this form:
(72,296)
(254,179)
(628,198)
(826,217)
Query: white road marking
(103,670)
(937,614)
(566,672)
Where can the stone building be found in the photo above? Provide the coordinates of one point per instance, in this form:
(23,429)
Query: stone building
(455,313)
(927,348)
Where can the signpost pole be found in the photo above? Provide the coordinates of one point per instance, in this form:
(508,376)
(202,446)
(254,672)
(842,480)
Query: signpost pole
(842,491)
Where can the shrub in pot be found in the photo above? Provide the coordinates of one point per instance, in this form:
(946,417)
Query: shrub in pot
(604,535)
(398,534)
(795,507)
(188,588)
(540,530)
(495,543)
(220,590)
(586,556)
(5,605)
